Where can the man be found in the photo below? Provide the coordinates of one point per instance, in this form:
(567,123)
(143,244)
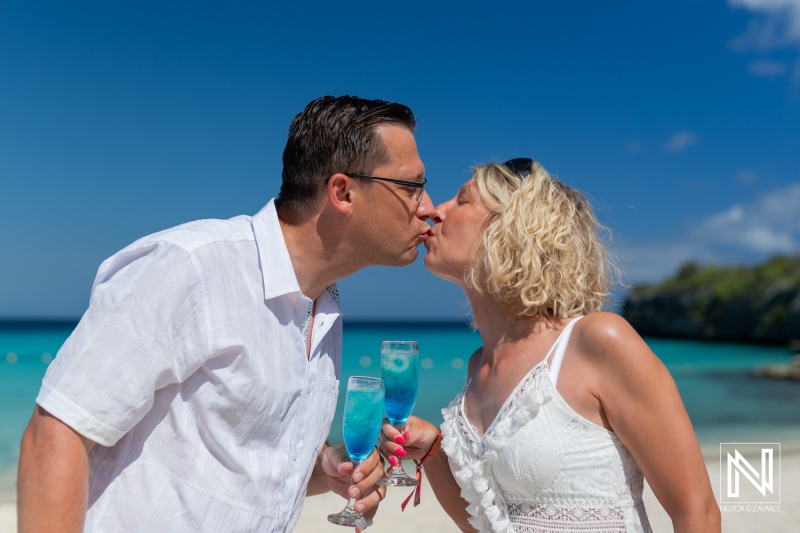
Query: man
(198,389)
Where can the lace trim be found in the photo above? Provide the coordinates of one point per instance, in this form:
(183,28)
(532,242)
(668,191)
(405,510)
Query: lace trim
(472,471)
(557,518)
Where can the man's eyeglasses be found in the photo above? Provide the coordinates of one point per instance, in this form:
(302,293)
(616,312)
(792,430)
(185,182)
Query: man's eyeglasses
(521,166)
(418,185)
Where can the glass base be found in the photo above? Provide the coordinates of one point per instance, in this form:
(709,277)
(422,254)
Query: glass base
(349,518)
(397,477)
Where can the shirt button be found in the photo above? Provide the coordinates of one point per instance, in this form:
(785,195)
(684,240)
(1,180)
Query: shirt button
(294,456)
(308,388)
(282,522)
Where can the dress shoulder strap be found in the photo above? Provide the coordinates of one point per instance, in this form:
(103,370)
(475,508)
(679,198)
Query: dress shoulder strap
(559,348)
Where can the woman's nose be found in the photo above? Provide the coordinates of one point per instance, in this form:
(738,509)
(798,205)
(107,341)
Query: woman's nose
(438,213)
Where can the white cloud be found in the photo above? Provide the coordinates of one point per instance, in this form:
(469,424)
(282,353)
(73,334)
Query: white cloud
(777,25)
(680,142)
(654,260)
(768,226)
(766,68)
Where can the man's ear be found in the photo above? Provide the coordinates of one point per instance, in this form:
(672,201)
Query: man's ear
(339,192)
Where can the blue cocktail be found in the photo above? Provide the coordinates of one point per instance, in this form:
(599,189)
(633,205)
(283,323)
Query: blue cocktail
(400,372)
(363,414)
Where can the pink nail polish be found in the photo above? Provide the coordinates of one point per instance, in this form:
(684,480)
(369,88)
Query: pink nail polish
(400,451)
(406,435)
(399,440)
(393,460)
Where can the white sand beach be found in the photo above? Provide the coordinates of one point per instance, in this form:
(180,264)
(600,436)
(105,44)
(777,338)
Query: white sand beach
(429,516)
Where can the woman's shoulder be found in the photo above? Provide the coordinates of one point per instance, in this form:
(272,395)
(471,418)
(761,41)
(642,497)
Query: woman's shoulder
(606,336)
(603,326)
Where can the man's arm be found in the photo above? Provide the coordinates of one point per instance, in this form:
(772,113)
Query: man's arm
(53,478)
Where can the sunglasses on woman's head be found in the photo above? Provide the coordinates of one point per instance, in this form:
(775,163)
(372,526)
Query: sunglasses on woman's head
(521,166)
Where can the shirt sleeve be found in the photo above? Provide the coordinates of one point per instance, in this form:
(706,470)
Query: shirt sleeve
(147,326)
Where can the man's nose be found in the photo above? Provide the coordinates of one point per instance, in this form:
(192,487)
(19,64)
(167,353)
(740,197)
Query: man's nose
(425,208)
(434,214)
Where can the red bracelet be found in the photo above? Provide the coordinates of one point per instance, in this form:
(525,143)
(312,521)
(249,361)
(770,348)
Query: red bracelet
(417,492)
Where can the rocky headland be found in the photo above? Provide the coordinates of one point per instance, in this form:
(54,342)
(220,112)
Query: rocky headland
(745,304)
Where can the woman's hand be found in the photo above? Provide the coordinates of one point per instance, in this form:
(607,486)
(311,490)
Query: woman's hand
(414,443)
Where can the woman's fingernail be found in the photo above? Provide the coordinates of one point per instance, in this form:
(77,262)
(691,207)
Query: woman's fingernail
(400,451)
(406,435)
(393,460)
(358,476)
(399,439)
(360,508)
(353,492)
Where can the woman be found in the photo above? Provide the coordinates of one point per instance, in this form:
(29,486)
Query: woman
(565,407)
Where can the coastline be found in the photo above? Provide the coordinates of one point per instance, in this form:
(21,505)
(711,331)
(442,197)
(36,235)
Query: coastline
(429,516)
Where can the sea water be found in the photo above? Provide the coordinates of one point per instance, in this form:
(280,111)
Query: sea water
(724,402)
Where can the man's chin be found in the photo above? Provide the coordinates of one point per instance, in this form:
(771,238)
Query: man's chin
(399,261)
(410,256)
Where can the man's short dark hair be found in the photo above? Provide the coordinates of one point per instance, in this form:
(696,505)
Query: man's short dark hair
(335,134)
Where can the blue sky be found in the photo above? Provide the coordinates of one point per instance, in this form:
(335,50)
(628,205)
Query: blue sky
(117,119)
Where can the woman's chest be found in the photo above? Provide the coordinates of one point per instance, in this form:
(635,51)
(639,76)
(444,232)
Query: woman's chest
(491,393)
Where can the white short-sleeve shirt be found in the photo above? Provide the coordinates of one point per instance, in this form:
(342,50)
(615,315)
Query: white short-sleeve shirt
(189,370)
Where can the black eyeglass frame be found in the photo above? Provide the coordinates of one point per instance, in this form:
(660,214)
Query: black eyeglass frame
(419,185)
(521,166)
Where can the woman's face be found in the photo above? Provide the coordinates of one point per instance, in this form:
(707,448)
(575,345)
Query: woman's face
(455,238)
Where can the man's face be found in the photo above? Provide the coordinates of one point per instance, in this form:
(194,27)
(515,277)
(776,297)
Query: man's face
(392,218)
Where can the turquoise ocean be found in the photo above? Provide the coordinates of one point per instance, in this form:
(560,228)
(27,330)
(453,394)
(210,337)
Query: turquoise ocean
(724,402)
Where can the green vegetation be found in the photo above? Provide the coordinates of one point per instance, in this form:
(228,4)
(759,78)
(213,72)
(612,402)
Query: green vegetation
(728,282)
(748,304)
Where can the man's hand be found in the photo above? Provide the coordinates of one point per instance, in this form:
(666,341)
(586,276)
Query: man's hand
(336,464)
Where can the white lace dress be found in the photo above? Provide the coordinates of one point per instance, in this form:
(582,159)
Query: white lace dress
(540,467)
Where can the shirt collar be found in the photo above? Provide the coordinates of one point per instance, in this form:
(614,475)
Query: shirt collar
(273,256)
(277,271)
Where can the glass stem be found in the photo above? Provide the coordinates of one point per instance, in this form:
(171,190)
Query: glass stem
(351,502)
(398,468)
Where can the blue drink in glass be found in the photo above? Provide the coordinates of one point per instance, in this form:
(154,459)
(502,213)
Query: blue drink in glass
(400,372)
(363,414)
(401,379)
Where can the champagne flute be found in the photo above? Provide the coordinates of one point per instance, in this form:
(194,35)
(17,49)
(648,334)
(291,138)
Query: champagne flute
(363,415)
(400,372)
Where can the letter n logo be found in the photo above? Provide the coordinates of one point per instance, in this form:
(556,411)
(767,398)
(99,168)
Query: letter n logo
(739,465)
(746,479)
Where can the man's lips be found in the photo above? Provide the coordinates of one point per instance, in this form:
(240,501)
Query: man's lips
(425,236)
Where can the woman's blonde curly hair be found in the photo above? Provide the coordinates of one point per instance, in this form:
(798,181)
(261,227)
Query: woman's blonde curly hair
(543,252)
